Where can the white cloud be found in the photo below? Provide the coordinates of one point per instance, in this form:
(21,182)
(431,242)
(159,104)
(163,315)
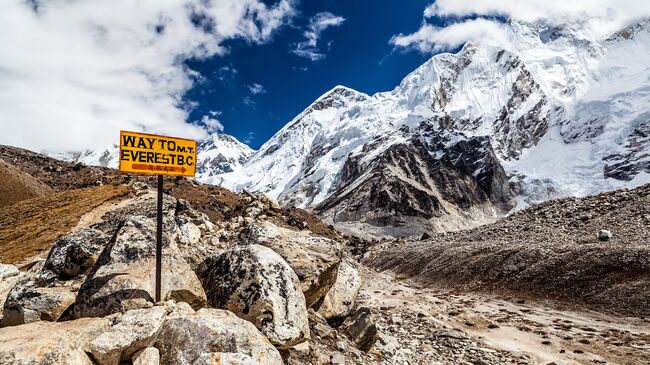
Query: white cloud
(317,24)
(256,89)
(249,102)
(211,124)
(73,73)
(226,73)
(432,39)
(601,17)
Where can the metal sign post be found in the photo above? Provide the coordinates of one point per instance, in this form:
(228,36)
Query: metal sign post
(159,229)
(150,154)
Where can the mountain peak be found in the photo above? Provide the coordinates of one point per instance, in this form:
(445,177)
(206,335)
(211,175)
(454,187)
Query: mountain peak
(221,153)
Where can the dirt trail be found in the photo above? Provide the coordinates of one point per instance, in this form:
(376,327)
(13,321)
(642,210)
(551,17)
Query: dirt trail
(522,331)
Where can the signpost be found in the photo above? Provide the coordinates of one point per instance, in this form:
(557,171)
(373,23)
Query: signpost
(142,153)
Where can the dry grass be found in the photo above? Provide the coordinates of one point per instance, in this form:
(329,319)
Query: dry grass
(30,227)
(17,186)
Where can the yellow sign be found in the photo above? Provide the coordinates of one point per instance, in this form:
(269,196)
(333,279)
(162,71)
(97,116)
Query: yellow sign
(143,153)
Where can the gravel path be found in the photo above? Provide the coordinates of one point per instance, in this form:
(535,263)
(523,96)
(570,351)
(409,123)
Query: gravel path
(431,326)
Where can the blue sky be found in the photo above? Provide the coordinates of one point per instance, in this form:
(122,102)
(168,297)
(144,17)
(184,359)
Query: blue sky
(75,73)
(358,56)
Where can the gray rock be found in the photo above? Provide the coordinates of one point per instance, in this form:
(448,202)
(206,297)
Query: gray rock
(454,333)
(314,259)
(50,342)
(8,271)
(135,331)
(76,253)
(361,329)
(148,356)
(604,235)
(197,237)
(9,277)
(255,283)
(124,276)
(213,336)
(29,304)
(340,299)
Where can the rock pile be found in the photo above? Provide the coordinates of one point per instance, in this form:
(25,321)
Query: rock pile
(242,291)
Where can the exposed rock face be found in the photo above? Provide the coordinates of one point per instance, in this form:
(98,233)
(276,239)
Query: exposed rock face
(30,304)
(255,283)
(213,336)
(76,253)
(136,330)
(360,328)
(124,276)
(314,259)
(434,180)
(634,156)
(50,342)
(340,300)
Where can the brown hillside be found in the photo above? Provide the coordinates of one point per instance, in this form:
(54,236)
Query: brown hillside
(32,226)
(16,185)
(217,203)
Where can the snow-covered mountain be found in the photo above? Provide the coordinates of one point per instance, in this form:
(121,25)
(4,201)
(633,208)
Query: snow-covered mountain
(219,154)
(466,137)
(107,156)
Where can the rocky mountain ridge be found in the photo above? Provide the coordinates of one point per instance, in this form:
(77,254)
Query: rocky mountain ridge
(549,102)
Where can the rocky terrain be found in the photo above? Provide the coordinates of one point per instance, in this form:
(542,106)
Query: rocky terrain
(246,281)
(242,286)
(592,251)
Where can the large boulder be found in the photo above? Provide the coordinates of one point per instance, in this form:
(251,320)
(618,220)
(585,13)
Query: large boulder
(315,259)
(124,276)
(135,331)
(255,283)
(148,356)
(76,253)
(213,336)
(9,276)
(50,342)
(340,300)
(30,304)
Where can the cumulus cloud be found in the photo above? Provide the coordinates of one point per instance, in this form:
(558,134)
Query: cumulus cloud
(212,124)
(600,17)
(73,73)
(431,39)
(256,88)
(309,48)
